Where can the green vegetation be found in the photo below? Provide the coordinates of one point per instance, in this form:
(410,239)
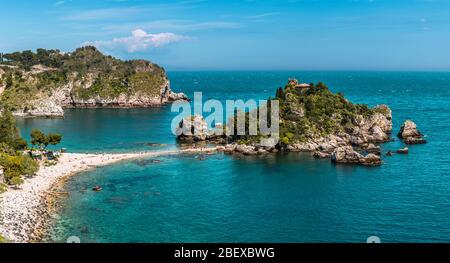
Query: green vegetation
(27,59)
(31,75)
(311,111)
(314,111)
(2,239)
(42,140)
(3,188)
(9,134)
(15,164)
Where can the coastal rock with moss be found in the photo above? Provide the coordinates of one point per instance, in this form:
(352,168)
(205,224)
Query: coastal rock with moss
(42,84)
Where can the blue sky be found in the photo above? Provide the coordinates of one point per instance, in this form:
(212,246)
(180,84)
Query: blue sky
(241,35)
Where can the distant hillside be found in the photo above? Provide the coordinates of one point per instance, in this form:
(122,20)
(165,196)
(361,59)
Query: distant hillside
(43,83)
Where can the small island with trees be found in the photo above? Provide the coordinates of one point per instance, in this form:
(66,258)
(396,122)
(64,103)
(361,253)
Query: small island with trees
(316,120)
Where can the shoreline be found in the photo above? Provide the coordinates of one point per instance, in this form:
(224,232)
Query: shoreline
(24,212)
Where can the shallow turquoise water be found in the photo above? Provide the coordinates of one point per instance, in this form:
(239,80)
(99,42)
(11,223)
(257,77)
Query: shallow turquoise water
(282,198)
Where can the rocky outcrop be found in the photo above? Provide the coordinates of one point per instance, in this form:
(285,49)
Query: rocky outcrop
(410,134)
(41,109)
(322,155)
(170,96)
(63,97)
(247,149)
(313,119)
(371,148)
(374,129)
(137,100)
(84,78)
(347,155)
(371,160)
(192,129)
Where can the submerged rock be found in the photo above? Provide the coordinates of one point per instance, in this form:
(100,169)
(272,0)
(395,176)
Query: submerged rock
(97,188)
(410,134)
(403,151)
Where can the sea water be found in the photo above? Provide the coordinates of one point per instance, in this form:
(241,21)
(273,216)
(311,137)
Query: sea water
(276,198)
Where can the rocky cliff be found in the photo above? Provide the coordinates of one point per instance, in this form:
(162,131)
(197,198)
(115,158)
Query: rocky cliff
(42,84)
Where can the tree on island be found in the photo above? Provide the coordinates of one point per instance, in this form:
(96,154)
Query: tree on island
(42,140)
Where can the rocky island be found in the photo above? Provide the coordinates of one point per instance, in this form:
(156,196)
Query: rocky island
(42,84)
(314,119)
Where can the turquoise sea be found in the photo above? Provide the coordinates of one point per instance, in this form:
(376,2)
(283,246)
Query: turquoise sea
(278,198)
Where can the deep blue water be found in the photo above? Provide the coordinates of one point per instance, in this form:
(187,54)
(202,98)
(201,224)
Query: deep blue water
(280,198)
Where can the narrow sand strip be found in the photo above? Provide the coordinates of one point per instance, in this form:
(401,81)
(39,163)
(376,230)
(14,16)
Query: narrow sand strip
(23,212)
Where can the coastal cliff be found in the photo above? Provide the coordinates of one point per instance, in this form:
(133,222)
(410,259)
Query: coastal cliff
(42,84)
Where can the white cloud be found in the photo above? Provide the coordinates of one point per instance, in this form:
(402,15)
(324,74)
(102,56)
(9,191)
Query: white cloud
(139,41)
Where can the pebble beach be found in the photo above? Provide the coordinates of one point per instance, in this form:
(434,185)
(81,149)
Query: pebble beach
(25,211)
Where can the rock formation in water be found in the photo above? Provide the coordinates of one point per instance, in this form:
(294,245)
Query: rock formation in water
(42,84)
(347,154)
(313,119)
(410,134)
(192,129)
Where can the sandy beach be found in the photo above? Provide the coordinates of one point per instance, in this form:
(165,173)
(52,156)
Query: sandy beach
(24,211)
